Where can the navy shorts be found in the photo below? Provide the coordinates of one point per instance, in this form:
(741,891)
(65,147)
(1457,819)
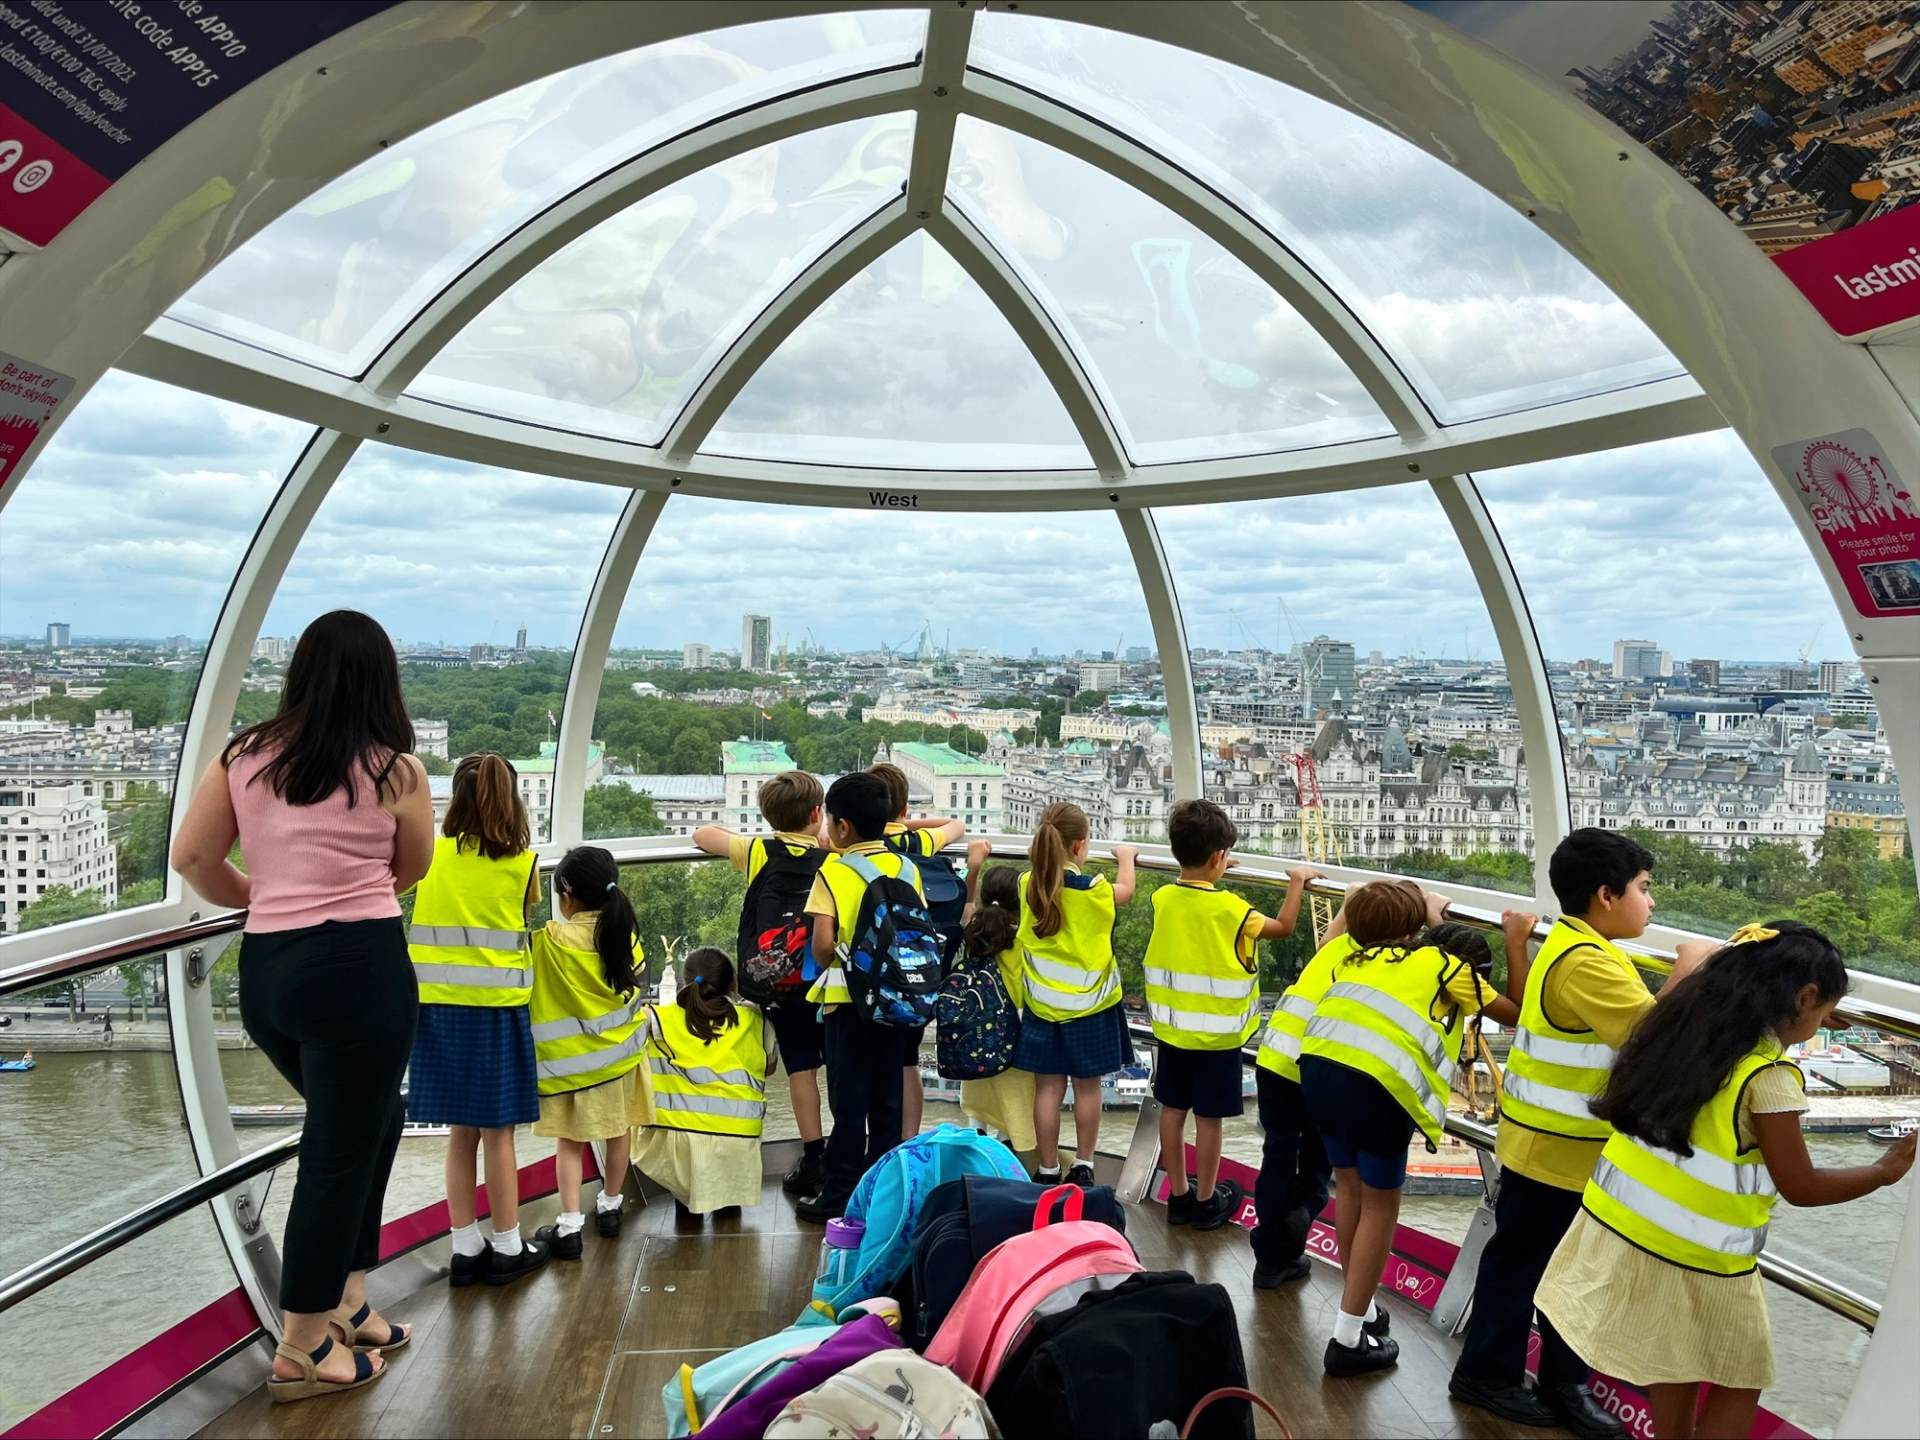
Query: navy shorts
(1207,1082)
(1362,1126)
(799,1033)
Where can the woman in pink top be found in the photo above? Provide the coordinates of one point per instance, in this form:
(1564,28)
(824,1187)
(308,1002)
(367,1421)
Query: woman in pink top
(334,819)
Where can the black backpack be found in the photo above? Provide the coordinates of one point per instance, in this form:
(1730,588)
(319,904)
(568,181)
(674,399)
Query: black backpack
(1122,1360)
(946,892)
(893,959)
(776,933)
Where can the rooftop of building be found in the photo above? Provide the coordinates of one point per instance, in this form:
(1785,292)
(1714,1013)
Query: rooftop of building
(944,759)
(755,757)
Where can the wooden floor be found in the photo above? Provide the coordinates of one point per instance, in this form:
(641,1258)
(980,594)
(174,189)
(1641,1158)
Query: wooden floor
(583,1349)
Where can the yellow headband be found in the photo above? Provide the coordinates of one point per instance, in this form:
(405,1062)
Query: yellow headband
(1747,934)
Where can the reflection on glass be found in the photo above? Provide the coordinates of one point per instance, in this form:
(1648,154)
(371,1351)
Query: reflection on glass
(115,558)
(908,365)
(481,577)
(613,334)
(334,279)
(1690,644)
(1484,312)
(1353,702)
(1194,356)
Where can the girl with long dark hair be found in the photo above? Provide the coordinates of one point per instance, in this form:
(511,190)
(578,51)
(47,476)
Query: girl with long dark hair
(709,1056)
(1657,1280)
(333,818)
(1002,1102)
(589,1032)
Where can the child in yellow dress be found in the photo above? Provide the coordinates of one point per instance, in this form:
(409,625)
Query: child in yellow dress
(1002,1102)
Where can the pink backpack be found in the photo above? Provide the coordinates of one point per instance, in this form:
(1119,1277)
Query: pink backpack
(1030,1275)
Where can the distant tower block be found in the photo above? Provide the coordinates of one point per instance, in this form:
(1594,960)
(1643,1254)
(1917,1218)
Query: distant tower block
(59,635)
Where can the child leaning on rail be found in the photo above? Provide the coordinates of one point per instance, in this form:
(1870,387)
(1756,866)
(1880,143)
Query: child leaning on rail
(1656,1282)
(1203,996)
(589,1034)
(709,1056)
(472,1067)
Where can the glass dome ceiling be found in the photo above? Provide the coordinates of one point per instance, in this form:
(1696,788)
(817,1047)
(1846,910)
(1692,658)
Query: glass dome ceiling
(1185,261)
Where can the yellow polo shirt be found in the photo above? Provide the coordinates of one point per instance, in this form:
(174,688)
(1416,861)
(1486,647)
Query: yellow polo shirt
(746,853)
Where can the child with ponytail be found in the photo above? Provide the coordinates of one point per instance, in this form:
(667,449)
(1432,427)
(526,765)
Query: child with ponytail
(589,1032)
(472,1067)
(709,1056)
(1656,1281)
(1002,1102)
(1072,1026)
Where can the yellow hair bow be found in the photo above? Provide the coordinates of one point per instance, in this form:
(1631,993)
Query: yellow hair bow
(1747,934)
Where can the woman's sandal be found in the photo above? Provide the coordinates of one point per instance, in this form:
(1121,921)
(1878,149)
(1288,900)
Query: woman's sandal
(350,1336)
(280,1391)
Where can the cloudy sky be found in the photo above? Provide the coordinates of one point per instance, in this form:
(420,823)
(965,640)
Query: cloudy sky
(133,521)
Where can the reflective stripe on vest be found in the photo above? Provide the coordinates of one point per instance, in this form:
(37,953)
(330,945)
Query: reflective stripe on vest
(1552,1074)
(714,1087)
(584,1033)
(468,938)
(1071,972)
(1200,996)
(1287,1026)
(1371,1020)
(1705,1211)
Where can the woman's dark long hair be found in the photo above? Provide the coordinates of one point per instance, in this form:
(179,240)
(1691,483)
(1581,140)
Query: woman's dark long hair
(588,876)
(996,918)
(703,997)
(341,715)
(1686,1048)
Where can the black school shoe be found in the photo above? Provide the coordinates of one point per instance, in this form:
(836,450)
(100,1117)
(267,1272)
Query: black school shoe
(1219,1208)
(1182,1208)
(1369,1355)
(469,1268)
(560,1247)
(1296,1269)
(1574,1407)
(1517,1403)
(818,1209)
(608,1223)
(504,1269)
(1081,1175)
(1380,1324)
(805,1176)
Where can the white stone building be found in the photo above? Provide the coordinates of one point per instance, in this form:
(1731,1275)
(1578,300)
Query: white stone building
(51,835)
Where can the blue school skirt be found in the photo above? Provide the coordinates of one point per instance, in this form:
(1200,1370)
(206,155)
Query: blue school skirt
(473,1065)
(1095,1044)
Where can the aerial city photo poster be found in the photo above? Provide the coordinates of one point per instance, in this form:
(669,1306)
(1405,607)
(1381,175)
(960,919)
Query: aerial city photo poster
(1798,119)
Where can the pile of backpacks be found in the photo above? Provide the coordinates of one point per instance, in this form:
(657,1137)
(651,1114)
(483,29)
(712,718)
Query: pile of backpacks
(981,1304)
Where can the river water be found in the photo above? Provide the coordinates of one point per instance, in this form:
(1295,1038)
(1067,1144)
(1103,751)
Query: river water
(88,1136)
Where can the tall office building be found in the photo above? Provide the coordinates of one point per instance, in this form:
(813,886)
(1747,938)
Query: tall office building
(756,642)
(696,657)
(1636,660)
(1834,675)
(520,644)
(59,635)
(1326,670)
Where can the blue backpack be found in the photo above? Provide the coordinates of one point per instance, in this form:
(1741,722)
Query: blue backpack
(893,961)
(979,1025)
(945,891)
(889,1200)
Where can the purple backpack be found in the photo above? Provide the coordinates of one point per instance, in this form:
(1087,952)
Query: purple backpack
(747,1417)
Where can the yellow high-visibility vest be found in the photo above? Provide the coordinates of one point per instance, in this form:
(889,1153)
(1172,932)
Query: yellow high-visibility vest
(1287,1026)
(1071,972)
(1378,1018)
(713,1087)
(468,938)
(1552,1074)
(584,1033)
(1199,995)
(1705,1211)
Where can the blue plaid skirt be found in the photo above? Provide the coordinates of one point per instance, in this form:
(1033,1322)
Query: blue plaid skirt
(1092,1045)
(473,1065)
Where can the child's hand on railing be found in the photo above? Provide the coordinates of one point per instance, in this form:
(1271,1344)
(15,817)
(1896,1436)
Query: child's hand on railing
(1518,925)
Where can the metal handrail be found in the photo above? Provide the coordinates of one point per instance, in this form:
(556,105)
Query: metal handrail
(34,974)
(32,1279)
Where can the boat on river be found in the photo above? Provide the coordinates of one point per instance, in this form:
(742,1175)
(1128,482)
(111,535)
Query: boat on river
(25,1062)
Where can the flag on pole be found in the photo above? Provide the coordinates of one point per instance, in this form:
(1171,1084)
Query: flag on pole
(765,716)
(550,720)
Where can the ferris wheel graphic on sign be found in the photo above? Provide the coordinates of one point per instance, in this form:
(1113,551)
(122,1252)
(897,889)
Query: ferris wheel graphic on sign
(1845,489)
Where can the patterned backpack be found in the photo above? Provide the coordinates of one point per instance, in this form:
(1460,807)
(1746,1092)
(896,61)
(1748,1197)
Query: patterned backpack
(978,1022)
(893,962)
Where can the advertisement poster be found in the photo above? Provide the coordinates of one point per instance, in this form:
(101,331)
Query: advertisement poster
(1799,121)
(1417,1269)
(1865,513)
(29,394)
(90,88)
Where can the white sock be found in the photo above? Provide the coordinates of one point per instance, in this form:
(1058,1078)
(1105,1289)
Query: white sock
(608,1200)
(467,1241)
(1047,1173)
(1373,1311)
(1346,1329)
(572,1222)
(507,1242)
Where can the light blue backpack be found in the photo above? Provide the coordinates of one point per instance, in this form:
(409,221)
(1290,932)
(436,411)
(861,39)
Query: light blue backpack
(889,1199)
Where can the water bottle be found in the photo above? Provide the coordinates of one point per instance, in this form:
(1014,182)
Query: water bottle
(839,1251)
